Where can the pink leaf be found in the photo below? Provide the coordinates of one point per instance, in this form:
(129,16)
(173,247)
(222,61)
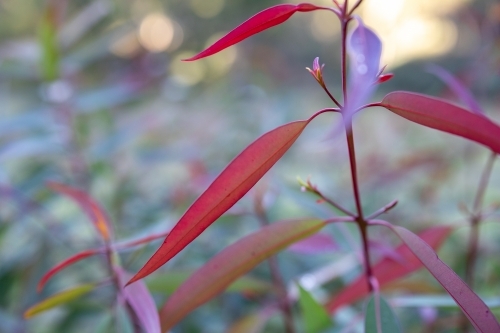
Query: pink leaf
(471,304)
(388,270)
(141,301)
(231,263)
(229,187)
(89,206)
(317,243)
(364,49)
(63,264)
(444,116)
(261,21)
(458,89)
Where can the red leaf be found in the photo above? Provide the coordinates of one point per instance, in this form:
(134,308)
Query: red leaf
(234,182)
(232,262)
(63,264)
(471,304)
(388,269)
(89,206)
(261,21)
(317,243)
(141,301)
(444,116)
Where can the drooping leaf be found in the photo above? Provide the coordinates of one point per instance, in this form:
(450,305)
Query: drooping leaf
(229,187)
(63,264)
(471,304)
(458,88)
(261,21)
(168,282)
(388,320)
(388,269)
(141,301)
(232,262)
(314,315)
(89,206)
(58,299)
(444,116)
(365,49)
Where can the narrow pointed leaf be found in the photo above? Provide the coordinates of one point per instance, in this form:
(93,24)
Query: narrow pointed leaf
(63,264)
(444,116)
(232,184)
(471,304)
(388,320)
(141,301)
(317,243)
(261,21)
(314,315)
(388,269)
(89,206)
(255,322)
(458,88)
(58,299)
(232,262)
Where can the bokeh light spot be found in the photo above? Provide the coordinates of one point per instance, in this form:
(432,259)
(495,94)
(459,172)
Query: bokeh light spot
(156,32)
(206,9)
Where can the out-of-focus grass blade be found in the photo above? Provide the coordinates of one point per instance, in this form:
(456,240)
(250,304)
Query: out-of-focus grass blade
(388,321)
(58,299)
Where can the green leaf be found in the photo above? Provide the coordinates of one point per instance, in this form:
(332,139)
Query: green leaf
(58,299)
(314,315)
(47,37)
(388,321)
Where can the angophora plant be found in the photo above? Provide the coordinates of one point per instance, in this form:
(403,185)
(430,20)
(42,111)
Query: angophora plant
(360,75)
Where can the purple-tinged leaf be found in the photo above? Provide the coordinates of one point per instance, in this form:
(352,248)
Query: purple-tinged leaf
(317,243)
(59,299)
(230,186)
(364,48)
(261,21)
(232,262)
(89,206)
(471,304)
(458,88)
(388,270)
(141,301)
(63,264)
(444,116)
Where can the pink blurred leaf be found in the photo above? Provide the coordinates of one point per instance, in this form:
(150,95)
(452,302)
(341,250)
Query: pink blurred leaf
(444,116)
(63,264)
(458,88)
(388,270)
(232,262)
(229,187)
(364,48)
(261,21)
(471,304)
(141,301)
(317,243)
(89,206)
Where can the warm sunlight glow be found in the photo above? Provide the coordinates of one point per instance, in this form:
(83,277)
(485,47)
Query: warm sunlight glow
(126,46)
(156,32)
(187,73)
(324,26)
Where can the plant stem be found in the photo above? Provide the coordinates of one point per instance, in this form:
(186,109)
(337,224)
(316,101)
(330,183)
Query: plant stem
(278,281)
(475,219)
(352,159)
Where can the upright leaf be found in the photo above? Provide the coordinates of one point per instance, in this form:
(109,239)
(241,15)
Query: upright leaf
(388,321)
(471,304)
(49,45)
(444,116)
(141,301)
(59,299)
(232,262)
(365,49)
(261,21)
(388,269)
(314,315)
(232,184)
(89,206)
